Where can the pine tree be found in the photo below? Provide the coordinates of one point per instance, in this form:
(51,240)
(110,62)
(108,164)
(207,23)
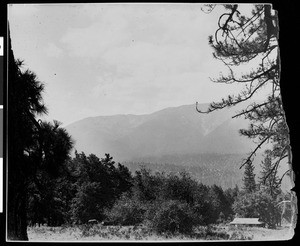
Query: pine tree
(269,180)
(33,145)
(249,178)
(244,41)
(252,41)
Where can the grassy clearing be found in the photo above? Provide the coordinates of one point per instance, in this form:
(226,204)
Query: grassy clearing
(141,233)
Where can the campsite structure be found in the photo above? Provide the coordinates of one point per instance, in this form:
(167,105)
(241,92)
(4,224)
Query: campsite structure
(247,222)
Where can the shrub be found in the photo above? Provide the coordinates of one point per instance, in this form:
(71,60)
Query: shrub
(238,235)
(126,211)
(174,217)
(257,204)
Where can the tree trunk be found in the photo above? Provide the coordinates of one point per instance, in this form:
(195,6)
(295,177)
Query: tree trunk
(16,216)
(16,221)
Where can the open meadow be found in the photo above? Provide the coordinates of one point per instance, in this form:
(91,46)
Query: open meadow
(140,233)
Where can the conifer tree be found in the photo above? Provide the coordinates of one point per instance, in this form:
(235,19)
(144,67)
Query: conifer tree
(248,46)
(269,181)
(34,146)
(249,178)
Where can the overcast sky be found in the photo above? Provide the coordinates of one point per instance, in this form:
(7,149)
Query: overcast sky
(105,59)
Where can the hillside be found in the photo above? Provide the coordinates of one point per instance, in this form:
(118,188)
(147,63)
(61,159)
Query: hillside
(209,169)
(178,130)
(206,145)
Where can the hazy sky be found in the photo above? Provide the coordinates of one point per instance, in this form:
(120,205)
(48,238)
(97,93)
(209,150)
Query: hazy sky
(105,59)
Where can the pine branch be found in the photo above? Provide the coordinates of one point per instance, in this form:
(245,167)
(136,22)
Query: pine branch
(250,110)
(254,152)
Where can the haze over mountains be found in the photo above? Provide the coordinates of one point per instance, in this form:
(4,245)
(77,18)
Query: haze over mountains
(208,146)
(176,130)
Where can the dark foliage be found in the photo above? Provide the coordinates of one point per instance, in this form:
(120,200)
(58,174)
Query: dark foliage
(173,216)
(36,149)
(127,211)
(98,184)
(258,204)
(269,180)
(249,178)
(170,203)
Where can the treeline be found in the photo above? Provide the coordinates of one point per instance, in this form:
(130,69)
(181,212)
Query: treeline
(88,188)
(84,187)
(226,177)
(91,188)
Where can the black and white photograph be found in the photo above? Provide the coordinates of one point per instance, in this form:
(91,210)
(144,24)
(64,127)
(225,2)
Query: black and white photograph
(146,122)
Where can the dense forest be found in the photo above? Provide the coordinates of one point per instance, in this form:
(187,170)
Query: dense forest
(89,188)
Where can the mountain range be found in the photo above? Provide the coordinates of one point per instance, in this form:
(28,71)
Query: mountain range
(176,130)
(208,146)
